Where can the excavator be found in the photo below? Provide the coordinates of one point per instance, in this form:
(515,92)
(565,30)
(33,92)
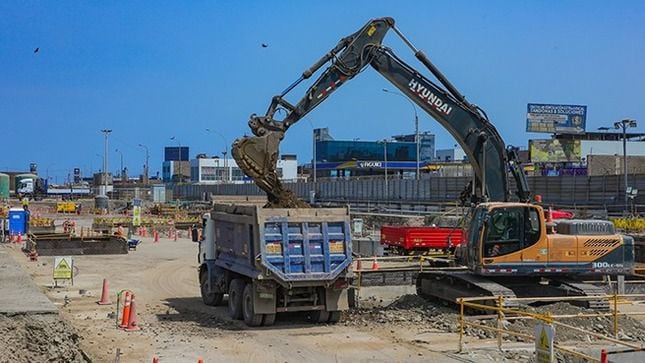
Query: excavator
(513,248)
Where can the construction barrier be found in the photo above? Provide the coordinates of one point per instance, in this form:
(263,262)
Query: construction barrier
(507,314)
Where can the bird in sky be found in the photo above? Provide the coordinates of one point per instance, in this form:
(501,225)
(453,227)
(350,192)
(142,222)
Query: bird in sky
(36,50)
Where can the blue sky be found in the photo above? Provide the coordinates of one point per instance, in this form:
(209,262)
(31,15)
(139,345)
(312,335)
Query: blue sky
(156,69)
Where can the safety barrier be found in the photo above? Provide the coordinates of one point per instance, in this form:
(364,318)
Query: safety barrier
(507,314)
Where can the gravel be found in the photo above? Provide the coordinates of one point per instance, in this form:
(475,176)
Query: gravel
(414,311)
(38,338)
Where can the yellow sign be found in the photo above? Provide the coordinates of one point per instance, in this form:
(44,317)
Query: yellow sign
(336,247)
(63,268)
(371,31)
(136,216)
(544,334)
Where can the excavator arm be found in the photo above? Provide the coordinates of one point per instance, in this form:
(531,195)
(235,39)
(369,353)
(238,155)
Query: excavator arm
(257,155)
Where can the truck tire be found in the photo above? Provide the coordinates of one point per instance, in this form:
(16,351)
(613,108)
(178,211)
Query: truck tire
(319,316)
(235,291)
(209,298)
(334,317)
(268,319)
(248,297)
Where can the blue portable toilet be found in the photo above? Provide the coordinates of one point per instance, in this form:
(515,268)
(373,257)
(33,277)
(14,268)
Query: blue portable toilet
(18,221)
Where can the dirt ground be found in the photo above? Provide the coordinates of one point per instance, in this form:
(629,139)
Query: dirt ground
(177,327)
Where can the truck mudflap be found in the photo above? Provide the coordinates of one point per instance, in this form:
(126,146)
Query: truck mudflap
(302,251)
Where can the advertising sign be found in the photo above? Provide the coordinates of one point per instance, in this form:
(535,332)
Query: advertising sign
(563,119)
(553,150)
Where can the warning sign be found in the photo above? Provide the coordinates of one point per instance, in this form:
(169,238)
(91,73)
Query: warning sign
(63,268)
(544,334)
(136,212)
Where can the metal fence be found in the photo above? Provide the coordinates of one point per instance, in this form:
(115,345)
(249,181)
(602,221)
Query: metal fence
(605,190)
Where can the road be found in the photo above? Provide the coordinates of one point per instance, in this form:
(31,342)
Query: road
(177,327)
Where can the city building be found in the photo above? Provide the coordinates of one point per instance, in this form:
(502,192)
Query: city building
(346,158)
(215,170)
(448,155)
(176,164)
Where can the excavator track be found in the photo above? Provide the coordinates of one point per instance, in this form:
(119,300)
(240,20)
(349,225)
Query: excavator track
(452,285)
(575,288)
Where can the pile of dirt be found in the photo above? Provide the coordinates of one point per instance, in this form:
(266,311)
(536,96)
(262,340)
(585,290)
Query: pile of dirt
(413,310)
(38,338)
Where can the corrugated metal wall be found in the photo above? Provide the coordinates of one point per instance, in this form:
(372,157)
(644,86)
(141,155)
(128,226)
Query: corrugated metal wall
(568,190)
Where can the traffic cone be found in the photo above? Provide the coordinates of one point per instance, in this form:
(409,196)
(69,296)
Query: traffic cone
(11,237)
(603,356)
(132,317)
(200,361)
(19,239)
(156,234)
(549,215)
(126,311)
(155,360)
(105,295)
(375,264)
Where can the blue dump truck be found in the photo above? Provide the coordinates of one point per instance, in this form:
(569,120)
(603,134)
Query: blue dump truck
(275,260)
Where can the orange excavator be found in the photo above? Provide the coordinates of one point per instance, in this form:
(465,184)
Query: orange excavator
(512,248)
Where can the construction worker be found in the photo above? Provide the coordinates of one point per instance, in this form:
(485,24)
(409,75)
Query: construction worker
(25,203)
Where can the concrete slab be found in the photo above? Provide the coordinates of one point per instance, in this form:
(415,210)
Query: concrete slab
(18,293)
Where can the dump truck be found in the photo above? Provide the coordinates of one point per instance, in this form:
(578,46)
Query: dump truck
(275,260)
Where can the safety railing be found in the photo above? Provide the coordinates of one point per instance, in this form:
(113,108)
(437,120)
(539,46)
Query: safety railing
(503,313)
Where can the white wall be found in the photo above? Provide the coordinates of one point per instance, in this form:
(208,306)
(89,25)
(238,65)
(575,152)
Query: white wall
(596,147)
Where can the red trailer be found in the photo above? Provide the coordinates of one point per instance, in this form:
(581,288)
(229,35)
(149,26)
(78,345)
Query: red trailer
(421,239)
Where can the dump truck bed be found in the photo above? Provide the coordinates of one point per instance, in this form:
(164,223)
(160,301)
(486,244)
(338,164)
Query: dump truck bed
(286,244)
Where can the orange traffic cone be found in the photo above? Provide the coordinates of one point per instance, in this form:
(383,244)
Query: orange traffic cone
(132,318)
(200,361)
(19,239)
(155,360)
(105,295)
(126,311)
(156,235)
(603,356)
(375,264)
(11,237)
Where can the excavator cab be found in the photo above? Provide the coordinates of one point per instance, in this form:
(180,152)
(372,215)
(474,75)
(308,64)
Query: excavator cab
(501,231)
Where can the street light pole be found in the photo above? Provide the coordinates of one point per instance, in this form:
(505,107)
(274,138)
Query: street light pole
(416,128)
(145,180)
(106,132)
(624,124)
(225,152)
(387,190)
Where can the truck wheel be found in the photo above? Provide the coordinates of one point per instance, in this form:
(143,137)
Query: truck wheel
(209,298)
(334,317)
(268,319)
(319,316)
(250,317)
(235,291)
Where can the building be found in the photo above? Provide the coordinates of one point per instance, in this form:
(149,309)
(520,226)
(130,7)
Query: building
(176,163)
(345,158)
(215,170)
(449,155)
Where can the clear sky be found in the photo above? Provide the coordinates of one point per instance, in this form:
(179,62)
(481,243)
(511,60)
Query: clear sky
(151,70)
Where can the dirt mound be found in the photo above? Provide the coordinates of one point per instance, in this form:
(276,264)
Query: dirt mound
(38,338)
(412,310)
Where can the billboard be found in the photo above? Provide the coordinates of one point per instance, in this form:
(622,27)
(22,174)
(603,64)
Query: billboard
(562,119)
(554,150)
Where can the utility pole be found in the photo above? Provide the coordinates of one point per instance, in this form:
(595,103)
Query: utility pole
(387,190)
(145,171)
(225,152)
(624,124)
(120,170)
(106,132)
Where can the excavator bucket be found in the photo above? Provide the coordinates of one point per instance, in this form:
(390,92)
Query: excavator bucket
(257,156)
